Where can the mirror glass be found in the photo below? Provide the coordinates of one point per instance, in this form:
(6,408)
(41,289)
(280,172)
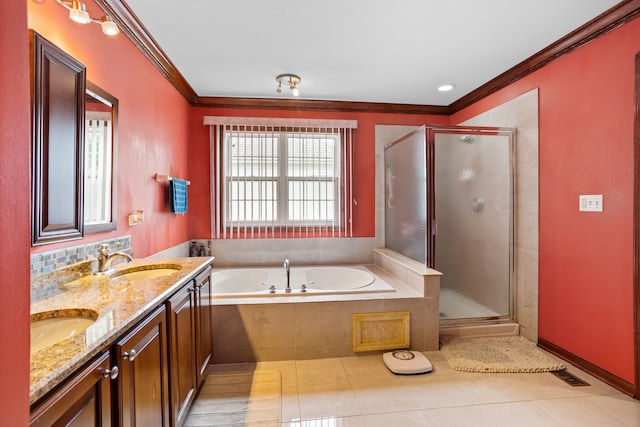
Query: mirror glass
(101,116)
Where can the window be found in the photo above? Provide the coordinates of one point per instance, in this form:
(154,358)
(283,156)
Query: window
(263,169)
(283,181)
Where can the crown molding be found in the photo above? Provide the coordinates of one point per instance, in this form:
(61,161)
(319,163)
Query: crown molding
(320,105)
(130,25)
(611,19)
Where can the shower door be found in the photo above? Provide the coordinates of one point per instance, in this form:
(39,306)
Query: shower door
(472,197)
(449,203)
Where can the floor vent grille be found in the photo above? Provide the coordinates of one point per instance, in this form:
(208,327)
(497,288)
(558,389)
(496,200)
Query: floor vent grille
(569,378)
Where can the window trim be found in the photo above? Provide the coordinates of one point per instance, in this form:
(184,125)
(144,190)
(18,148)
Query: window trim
(105,97)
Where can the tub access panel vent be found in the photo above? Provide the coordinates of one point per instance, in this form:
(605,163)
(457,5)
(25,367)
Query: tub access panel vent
(381,331)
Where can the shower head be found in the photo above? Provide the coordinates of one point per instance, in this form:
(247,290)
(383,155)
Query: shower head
(467,139)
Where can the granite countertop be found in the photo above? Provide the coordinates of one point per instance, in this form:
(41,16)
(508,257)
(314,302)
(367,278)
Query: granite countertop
(119,305)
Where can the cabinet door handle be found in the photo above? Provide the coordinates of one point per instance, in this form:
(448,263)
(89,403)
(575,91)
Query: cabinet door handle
(110,373)
(129,355)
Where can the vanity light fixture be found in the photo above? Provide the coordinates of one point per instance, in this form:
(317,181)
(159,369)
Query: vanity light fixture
(78,13)
(290,80)
(108,26)
(446,87)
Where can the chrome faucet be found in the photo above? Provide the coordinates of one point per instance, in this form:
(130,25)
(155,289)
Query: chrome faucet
(105,258)
(288,270)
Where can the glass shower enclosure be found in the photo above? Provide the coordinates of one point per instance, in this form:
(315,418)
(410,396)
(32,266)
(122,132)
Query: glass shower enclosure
(449,203)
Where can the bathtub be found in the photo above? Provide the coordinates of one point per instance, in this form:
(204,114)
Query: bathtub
(317,280)
(318,323)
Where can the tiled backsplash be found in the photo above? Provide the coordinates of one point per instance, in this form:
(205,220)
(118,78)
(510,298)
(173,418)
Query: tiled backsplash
(48,262)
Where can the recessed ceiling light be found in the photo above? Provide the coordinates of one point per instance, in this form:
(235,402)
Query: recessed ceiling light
(446,88)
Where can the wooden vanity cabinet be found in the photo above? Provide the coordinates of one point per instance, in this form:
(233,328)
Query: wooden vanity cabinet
(143,383)
(182,336)
(149,377)
(204,328)
(190,342)
(83,400)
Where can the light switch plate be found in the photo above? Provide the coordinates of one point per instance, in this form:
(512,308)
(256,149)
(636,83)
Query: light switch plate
(590,203)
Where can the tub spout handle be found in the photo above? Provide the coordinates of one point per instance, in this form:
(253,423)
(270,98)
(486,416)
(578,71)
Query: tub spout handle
(286,266)
(272,287)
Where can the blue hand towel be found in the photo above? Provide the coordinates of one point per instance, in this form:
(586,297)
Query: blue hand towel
(178,195)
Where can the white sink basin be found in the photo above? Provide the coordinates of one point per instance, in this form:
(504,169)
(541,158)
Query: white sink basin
(144,272)
(51,327)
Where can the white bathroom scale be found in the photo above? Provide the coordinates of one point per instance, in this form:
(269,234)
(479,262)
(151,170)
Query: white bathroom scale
(407,362)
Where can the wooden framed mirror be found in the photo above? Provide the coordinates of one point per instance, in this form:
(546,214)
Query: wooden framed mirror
(58,98)
(100,166)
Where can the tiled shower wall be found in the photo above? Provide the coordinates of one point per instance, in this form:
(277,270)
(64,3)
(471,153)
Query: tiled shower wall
(522,113)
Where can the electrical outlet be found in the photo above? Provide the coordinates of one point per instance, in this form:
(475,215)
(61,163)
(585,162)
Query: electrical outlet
(133,220)
(590,203)
(136,218)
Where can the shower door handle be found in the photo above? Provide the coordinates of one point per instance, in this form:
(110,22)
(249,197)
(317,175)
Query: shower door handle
(434,227)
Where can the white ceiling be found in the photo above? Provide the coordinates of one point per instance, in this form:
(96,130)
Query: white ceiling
(386,51)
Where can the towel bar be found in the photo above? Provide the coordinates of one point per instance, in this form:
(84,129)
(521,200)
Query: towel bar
(161,177)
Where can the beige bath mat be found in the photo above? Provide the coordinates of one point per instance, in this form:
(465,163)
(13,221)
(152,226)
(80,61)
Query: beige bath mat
(238,399)
(496,354)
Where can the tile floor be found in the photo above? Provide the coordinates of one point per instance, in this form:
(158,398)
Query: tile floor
(238,398)
(362,392)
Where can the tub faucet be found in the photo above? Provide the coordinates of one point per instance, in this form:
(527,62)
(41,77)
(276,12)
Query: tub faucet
(105,258)
(288,270)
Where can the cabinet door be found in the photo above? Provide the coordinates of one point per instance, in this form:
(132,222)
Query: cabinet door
(58,93)
(143,386)
(84,400)
(182,352)
(204,332)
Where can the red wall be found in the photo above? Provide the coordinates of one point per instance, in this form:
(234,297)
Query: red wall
(363,159)
(586,146)
(586,107)
(153,126)
(14,218)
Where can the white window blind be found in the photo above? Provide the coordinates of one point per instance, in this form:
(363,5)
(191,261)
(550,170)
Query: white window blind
(282,177)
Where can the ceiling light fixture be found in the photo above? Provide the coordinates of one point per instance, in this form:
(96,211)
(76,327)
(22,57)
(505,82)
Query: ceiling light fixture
(446,87)
(78,13)
(290,80)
